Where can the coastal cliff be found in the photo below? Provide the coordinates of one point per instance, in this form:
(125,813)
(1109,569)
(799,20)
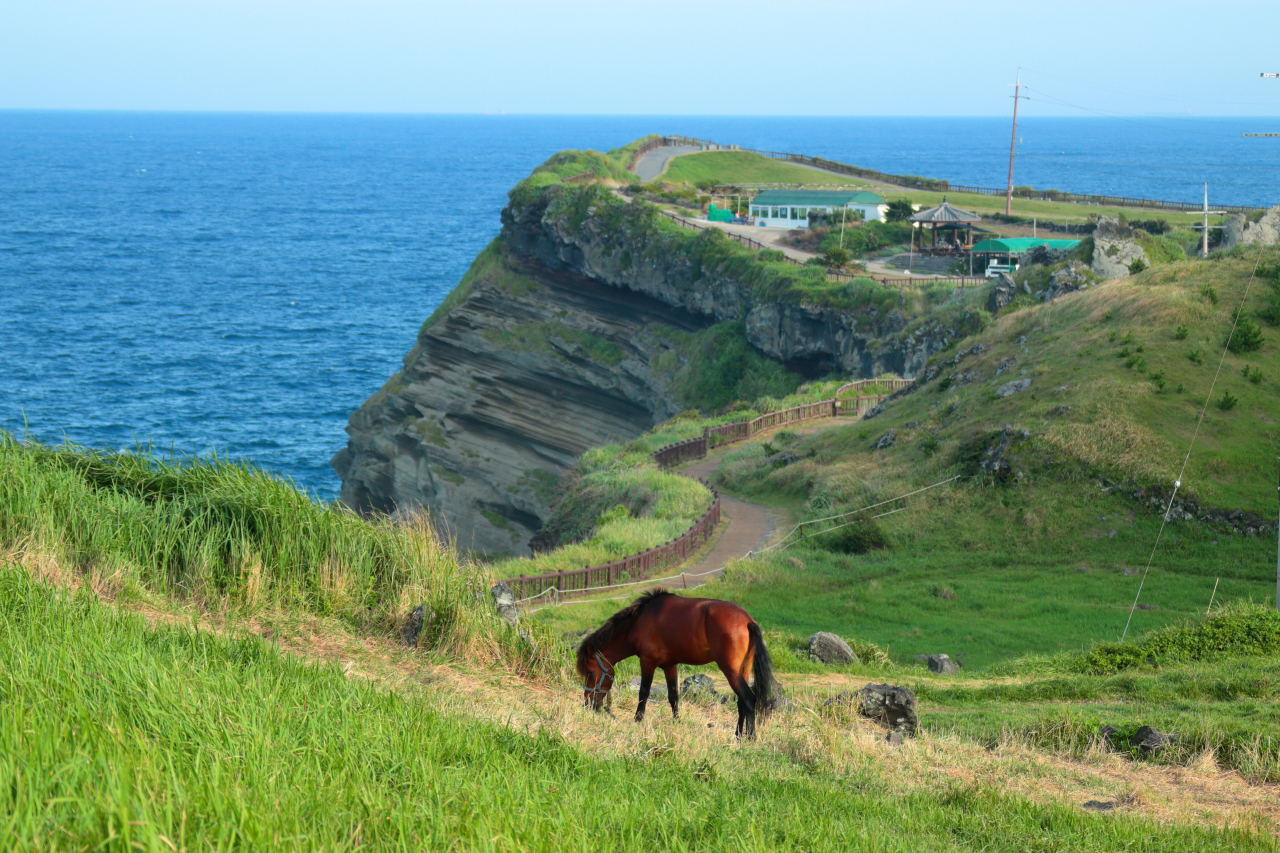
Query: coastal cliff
(589,320)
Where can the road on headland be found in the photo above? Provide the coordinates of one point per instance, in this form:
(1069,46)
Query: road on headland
(651,163)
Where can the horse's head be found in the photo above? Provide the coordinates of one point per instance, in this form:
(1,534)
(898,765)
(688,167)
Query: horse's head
(597,678)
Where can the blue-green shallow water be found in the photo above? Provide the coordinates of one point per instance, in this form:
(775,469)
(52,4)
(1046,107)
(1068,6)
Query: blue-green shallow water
(241,283)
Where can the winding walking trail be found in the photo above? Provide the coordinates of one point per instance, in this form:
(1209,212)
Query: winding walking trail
(747,526)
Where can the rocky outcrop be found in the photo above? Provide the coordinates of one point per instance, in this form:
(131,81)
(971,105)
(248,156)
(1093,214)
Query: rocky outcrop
(1266,231)
(565,335)
(501,395)
(1002,293)
(1115,249)
(1232,230)
(1068,279)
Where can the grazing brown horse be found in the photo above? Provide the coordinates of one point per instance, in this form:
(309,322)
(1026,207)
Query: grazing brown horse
(666,630)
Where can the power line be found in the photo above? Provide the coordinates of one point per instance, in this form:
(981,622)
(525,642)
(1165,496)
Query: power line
(1177,484)
(1136,94)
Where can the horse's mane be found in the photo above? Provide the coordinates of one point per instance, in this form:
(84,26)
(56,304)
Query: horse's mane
(602,635)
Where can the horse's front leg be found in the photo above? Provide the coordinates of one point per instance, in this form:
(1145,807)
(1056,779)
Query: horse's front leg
(646,681)
(673,690)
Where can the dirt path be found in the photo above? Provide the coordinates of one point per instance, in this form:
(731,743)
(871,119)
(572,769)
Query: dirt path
(747,526)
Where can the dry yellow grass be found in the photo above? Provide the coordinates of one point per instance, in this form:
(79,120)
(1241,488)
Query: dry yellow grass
(807,735)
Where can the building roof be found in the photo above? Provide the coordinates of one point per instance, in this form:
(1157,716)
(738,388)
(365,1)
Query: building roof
(945,212)
(816,198)
(1018,245)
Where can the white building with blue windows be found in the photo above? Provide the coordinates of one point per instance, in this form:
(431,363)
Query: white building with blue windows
(790,208)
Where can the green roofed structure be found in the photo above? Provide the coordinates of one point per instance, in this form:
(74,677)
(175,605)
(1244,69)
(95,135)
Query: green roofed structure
(790,208)
(1019,245)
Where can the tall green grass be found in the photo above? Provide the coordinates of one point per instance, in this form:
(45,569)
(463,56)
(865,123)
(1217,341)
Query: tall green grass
(226,535)
(117,736)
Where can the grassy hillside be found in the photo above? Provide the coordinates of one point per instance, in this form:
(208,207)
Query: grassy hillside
(121,736)
(1045,556)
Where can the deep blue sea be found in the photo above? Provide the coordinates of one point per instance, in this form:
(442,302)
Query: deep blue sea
(240,283)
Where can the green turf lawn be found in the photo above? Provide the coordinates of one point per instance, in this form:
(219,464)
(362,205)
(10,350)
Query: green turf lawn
(744,167)
(117,736)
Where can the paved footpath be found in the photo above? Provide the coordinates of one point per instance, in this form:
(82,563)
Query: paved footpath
(747,526)
(651,163)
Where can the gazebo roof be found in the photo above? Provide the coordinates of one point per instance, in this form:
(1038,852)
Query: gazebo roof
(945,212)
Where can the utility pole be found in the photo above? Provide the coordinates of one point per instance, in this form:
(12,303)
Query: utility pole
(1013,138)
(1204,229)
(1278,554)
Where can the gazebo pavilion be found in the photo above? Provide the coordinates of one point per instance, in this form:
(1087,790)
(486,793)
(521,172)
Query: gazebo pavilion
(949,218)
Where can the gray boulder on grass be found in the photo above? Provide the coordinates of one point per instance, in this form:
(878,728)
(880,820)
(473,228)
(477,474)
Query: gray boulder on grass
(825,647)
(943,665)
(890,706)
(698,688)
(505,602)
(1149,740)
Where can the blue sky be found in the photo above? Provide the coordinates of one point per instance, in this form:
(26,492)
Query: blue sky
(695,57)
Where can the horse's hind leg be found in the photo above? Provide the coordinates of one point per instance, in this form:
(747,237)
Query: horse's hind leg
(673,691)
(746,704)
(646,682)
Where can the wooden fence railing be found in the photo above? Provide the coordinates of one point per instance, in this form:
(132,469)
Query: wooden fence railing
(914,182)
(645,149)
(638,566)
(592,578)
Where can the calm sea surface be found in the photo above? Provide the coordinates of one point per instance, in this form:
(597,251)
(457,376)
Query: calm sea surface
(241,283)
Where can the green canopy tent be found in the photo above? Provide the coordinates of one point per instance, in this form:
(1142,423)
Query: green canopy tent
(1010,248)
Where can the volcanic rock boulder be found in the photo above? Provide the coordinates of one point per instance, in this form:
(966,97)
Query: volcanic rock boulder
(505,602)
(943,665)
(1002,294)
(825,647)
(1074,276)
(890,706)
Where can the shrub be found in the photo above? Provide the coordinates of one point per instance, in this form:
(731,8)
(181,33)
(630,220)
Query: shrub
(1270,312)
(1137,266)
(855,537)
(1246,338)
(1159,380)
(1196,356)
(836,257)
(1210,292)
(1234,631)
(1227,402)
(1253,374)
(899,210)
(771,256)
(1180,334)
(930,445)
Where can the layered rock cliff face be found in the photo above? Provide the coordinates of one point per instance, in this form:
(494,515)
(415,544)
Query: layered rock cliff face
(566,334)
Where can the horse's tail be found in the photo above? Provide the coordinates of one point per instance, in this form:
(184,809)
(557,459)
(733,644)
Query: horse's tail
(762,672)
